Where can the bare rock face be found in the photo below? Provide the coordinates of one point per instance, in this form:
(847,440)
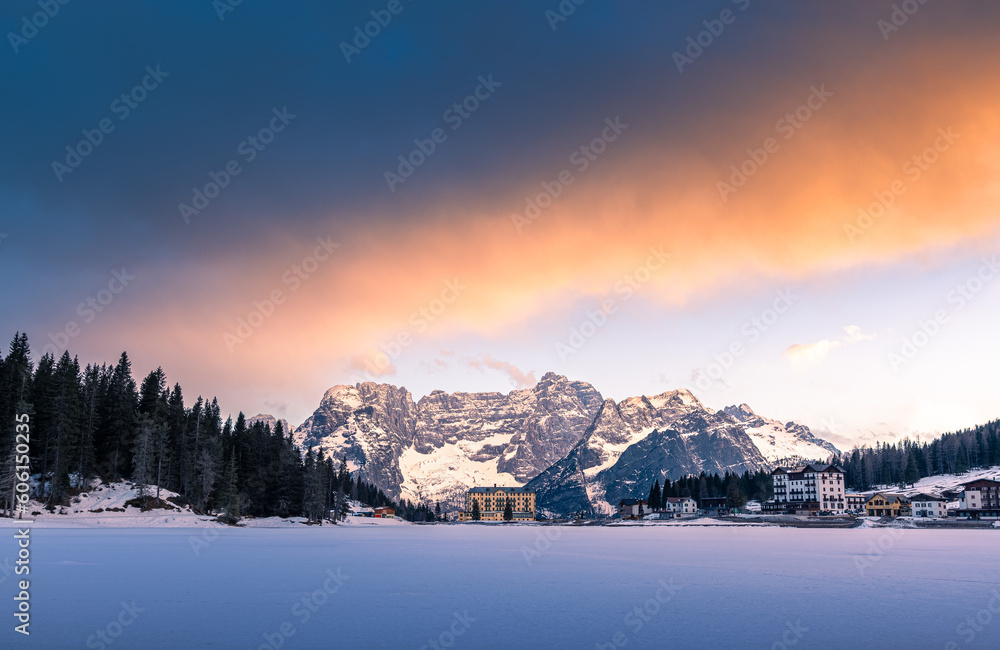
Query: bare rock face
(641,439)
(578,451)
(270,421)
(525,431)
(369,424)
(450,441)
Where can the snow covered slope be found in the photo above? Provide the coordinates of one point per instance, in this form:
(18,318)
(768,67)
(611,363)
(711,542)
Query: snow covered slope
(940,482)
(592,451)
(641,439)
(435,449)
(105,505)
(781,442)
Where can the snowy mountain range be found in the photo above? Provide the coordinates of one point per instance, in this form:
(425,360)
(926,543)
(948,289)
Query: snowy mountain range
(777,441)
(436,448)
(643,439)
(561,438)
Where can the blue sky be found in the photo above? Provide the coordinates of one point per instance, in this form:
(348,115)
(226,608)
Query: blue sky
(535,99)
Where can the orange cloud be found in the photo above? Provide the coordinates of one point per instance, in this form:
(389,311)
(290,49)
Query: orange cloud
(654,187)
(815,352)
(518,377)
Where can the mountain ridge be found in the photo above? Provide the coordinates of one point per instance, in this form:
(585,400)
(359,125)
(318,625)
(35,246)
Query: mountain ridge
(560,436)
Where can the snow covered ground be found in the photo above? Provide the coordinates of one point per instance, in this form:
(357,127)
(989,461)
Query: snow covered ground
(935,484)
(105,505)
(520,586)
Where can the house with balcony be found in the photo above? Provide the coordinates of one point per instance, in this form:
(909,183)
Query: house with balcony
(491,502)
(715,507)
(885,504)
(681,507)
(809,489)
(855,502)
(928,505)
(631,508)
(980,499)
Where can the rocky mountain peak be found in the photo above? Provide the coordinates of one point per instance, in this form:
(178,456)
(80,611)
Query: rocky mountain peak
(679,398)
(577,448)
(270,421)
(741,413)
(447,441)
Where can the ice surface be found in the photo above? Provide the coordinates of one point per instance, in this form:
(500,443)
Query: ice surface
(525,586)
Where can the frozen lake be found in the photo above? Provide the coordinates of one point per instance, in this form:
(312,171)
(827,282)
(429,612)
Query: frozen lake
(510,587)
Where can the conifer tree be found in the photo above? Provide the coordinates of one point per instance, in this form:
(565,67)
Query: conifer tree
(63,436)
(231,513)
(735,498)
(912,473)
(91,392)
(962,459)
(122,409)
(654,496)
(142,456)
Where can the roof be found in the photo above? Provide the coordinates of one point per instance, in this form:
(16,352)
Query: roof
(924,496)
(981,482)
(679,499)
(822,467)
(631,502)
(809,467)
(889,497)
(506,490)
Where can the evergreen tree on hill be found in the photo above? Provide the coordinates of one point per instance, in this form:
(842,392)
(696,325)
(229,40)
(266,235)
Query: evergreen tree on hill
(654,496)
(911,474)
(735,498)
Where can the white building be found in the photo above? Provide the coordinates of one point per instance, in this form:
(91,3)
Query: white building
(928,505)
(681,506)
(753,507)
(810,488)
(633,508)
(980,499)
(855,502)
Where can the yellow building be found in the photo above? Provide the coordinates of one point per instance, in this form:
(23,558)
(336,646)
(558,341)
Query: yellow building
(883,504)
(492,502)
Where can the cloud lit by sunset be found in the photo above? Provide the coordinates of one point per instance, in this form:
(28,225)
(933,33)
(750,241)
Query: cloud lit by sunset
(651,216)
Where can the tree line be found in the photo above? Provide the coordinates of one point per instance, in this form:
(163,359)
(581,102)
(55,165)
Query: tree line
(903,463)
(97,422)
(908,461)
(736,488)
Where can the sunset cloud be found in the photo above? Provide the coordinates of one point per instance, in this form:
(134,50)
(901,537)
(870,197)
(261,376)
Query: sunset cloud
(844,162)
(816,352)
(518,377)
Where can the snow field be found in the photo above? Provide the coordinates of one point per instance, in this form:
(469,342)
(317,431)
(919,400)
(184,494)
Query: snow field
(475,586)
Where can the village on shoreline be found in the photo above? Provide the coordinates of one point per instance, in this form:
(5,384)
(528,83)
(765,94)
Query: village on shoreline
(806,496)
